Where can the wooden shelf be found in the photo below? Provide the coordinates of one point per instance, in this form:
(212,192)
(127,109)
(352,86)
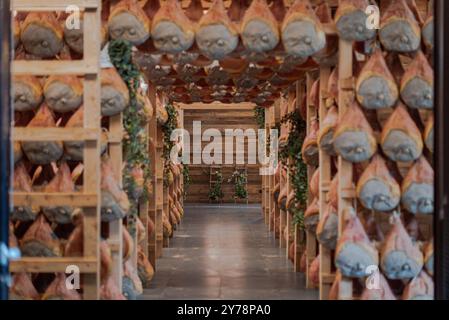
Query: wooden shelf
(52,5)
(57,199)
(53,67)
(53,264)
(55,134)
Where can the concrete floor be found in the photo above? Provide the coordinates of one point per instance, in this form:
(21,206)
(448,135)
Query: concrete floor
(225,253)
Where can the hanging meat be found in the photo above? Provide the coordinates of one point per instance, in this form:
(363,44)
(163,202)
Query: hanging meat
(312,216)
(335,288)
(428,257)
(132,286)
(333,192)
(75,243)
(309,149)
(42,34)
(63,93)
(58,290)
(314,271)
(376,87)
(428,134)
(372,228)
(428,29)
(315,184)
(128,244)
(110,291)
(128,21)
(417,84)
(26,93)
(418,188)
(351,21)
(327,129)
(16,31)
(114,93)
(39,240)
(399,30)
(23,183)
(400,257)
(420,288)
(114,201)
(380,291)
(259,28)
(376,189)
(327,229)
(42,152)
(144,268)
(332,88)
(22,288)
(401,139)
(17,151)
(171,30)
(354,252)
(302,32)
(354,138)
(328,56)
(216,35)
(61,183)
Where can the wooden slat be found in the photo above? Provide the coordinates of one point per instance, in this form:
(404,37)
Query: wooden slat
(57,199)
(54,264)
(218,106)
(53,67)
(55,134)
(52,5)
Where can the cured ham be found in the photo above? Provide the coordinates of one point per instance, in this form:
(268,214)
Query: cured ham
(420,288)
(428,257)
(26,93)
(401,139)
(144,268)
(132,286)
(376,87)
(63,93)
(314,184)
(351,20)
(354,252)
(428,30)
(311,216)
(302,32)
(327,56)
(23,183)
(17,151)
(428,134)
(58,290)
(400,257)
(418,188)
(309,149)
(376,189)
(39,240)
(314,271)
(114,93)
(327,229)
(22,288)
(354,138)
(382,292)
(326,134)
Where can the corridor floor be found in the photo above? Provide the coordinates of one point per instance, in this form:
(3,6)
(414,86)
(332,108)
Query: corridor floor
(225,252)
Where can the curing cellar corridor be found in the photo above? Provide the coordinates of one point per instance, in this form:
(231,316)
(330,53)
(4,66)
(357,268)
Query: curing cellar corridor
(225,252)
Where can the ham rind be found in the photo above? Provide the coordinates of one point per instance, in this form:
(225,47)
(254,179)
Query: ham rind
(351,19)
(399,30)
(332,88)
(428,257)
(75,243)
(58,290)
(328,56)
(309,150)
(282,199)
(23,183)
(355,253)
(401,139)
(259,28)
(311,216)
(420,288)
(354,138)
(427,32)
(400,257)
(376,87)
(74,37)
(376,189)
(42,34)
(417,84)
(132,286)
(333,192)
(302,32)
(314,184)
(128,244)
(22,288)
(63,93)
(216,35)
(114,201)
(114,93)
(418,188)
(335,288)
(171,30)
(314,271)
(61,183)
(327,129)
(43,152)
(428,134)
(39,240)
(144,268)
(110,291)
(16,32)
(383,292)
(128,21)
(17,149)
(26,93)
(327,229)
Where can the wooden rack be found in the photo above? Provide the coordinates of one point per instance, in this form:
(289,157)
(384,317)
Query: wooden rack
(89,197)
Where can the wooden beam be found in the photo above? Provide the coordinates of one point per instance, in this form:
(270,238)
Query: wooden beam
(218,106)
(53,264)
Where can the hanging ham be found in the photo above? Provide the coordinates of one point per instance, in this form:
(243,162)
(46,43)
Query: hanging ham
(400,257)
(17,151)
(418,188)
(376,87)
(399,30)
(114,93)
(354,253)
(354,138)
(376,189)
(58,290)
(327,229)
(314,184)
(417,84)
(171,30)
(63,93)
(428,257)
(132,286)
(428,134)
(259,28)
(110,291)
(428,30)
(22,288)
(42,34)
(216,35)
(327,129)
(312,216)
(23,183)
(309,149)
(420,288)
(144,268)
(302,32)
(314,271)
(328,56)
(128,21)
(401,139)
(114,201)
(39,240)
(380,291)
(26,93)
(351,20)
(42,152)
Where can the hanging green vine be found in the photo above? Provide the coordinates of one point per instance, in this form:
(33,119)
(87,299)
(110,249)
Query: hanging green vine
(167,129)
(259,112)
(135,143)
(216,192)
(239,179)
(187,179)
(298,169)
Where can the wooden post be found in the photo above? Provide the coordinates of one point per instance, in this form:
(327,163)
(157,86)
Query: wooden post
(159,191)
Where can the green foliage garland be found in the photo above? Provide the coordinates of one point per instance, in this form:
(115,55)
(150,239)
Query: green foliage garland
(167,129)
(187,179)
(216,193)
(259,112)
(239,179)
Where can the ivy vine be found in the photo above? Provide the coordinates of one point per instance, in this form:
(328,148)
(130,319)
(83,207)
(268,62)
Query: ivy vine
(167,129)
(259,113)
(216,192)
(239,178)
(187,180)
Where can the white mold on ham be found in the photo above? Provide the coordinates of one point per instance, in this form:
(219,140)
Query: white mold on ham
(351,19)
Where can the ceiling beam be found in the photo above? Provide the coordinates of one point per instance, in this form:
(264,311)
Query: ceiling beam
(217,106)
